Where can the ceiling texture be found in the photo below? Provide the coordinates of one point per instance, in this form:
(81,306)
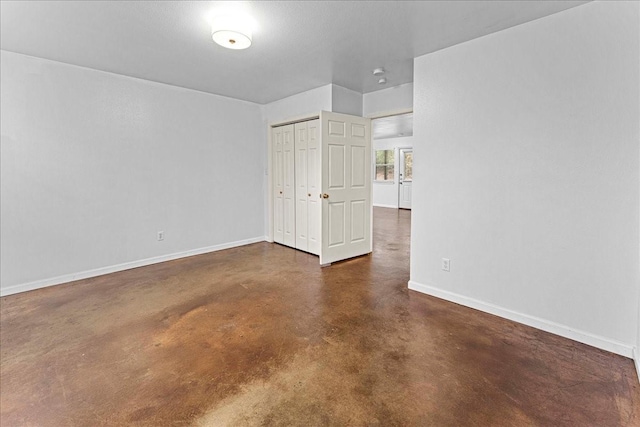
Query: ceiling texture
(297,46)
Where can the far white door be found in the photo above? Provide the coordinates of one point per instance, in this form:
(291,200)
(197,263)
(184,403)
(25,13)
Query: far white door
(346,187)
(406,178)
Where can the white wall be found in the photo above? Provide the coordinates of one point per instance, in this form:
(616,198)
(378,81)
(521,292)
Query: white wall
(385,194)
(346,101)
(393,99)
(324,98)
(527,174)
(300,105)
(95,164)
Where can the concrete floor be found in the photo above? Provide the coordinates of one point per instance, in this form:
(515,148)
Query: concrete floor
(261,335)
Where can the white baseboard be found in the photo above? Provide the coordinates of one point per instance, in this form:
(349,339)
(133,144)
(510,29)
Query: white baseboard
(636,360)
(536,322)
(377,205)
(120,267)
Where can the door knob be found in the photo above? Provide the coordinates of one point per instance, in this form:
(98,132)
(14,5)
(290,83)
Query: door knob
(325,196)
(281,192)
(309,194)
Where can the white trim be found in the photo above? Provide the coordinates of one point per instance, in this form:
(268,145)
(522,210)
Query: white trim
(377,205)
(636,360)
(120,267)
(535,322)
(294,120)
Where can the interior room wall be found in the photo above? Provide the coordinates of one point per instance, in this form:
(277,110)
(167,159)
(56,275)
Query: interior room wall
(346,101)
(390,100)
(95,164)
(300,105)
(385,194)
(527,174)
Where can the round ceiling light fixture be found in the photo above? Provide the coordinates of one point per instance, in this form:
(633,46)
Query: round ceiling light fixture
(378,71)
(231,31)
(382,81)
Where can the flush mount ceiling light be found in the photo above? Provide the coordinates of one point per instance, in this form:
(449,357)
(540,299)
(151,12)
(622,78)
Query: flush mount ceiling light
(378,71)
(382,81)
(231,31)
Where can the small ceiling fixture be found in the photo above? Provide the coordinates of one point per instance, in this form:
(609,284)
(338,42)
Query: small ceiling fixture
(382,81)
(378,71)
(231,31)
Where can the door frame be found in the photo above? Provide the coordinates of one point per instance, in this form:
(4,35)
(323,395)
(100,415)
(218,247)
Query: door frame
(396,175)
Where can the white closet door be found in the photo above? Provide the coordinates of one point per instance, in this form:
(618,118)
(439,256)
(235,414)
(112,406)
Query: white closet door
(307,167)
(288,186)
(346,187)
(302,195)
(278,185)
(314,185)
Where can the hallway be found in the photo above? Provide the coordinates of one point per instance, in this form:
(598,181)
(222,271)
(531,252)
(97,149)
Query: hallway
(261,335)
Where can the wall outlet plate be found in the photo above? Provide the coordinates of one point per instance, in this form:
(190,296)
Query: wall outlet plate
(446,264)
(160,236)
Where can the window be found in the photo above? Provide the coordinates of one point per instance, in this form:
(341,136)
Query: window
(408,165)
(384,165)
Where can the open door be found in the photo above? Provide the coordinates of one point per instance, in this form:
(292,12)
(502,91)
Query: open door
(346,187)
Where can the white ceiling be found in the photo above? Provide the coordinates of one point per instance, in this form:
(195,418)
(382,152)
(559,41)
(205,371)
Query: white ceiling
(297,45)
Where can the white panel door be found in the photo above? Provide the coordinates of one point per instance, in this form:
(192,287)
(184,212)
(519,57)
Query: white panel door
(302,195)
(346,187)
(406,179)
(288,186)
(278,187)
(314,186)
(307,170)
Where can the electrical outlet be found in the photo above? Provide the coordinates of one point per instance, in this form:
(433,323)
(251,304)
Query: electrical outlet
(446,264)
(160,236)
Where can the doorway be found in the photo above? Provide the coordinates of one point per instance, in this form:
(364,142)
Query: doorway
(393,160)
